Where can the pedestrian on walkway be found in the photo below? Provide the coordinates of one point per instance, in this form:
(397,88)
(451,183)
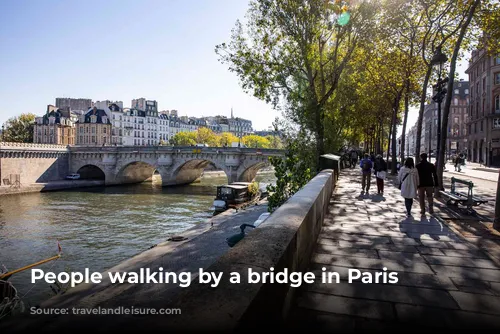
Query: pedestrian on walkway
(366,173)
(380,173)
(354,158)
(408,181)
(428,179)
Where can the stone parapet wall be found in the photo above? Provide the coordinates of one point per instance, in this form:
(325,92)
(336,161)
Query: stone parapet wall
(31,146)
(285,241)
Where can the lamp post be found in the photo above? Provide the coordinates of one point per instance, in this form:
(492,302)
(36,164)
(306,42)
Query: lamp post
(438,60)
(3,130)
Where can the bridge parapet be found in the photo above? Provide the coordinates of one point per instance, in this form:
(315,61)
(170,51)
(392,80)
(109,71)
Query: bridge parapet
(177,149)
(12,146)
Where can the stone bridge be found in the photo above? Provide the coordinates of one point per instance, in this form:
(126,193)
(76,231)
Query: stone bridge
(175,165)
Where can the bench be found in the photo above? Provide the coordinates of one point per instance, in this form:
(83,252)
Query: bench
(466,199)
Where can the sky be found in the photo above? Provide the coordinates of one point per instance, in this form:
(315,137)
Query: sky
(120,50)
(161,50)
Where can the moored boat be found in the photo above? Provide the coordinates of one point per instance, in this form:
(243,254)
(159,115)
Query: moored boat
(234,195)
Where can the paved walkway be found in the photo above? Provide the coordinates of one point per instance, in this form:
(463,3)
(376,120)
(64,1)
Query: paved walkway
(444,281)
(473,170)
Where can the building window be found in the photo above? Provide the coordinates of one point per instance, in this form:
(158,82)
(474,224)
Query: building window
(457,91)
(497,78)
(455,101)
(497,60)
(481,125)
(496,123)
(104,130)
(497,104)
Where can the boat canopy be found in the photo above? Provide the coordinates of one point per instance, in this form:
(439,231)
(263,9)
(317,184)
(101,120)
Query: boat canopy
(234,186)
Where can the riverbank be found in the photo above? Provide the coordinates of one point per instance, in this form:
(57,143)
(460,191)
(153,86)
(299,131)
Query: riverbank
(200,247)
(50,186)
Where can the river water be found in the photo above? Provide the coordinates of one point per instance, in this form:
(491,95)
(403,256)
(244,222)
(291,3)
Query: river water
(97,228)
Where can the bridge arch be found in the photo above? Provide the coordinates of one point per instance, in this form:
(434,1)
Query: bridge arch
(188,171)
(91,172)
(248,171)
(137,172)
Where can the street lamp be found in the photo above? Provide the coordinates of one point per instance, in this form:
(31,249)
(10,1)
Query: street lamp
(3,130)
(438,60)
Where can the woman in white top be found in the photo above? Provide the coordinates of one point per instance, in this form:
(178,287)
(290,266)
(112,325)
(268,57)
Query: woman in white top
(408,179)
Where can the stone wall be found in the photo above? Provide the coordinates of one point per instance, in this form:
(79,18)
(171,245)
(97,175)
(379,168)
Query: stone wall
(285,240)
(34,163)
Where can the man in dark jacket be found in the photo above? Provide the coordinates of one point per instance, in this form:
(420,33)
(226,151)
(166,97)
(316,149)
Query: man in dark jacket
(366,172)
(428,179)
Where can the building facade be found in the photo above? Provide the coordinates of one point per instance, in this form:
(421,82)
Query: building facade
(57,126)
(93,128)
(109,123)
(484,109)
(73,104)
(456,141)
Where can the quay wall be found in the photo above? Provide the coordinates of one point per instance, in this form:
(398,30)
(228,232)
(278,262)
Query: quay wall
(285,240)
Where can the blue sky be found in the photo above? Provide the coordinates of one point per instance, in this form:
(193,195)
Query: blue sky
(121,50)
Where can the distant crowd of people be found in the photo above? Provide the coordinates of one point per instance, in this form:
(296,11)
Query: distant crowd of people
(414,181)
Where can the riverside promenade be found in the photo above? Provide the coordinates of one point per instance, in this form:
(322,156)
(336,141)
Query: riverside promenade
(445,281)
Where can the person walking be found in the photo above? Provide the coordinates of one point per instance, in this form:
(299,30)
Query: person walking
(366,172)
(380,173)
(354,158)
(428,179)
(408,183)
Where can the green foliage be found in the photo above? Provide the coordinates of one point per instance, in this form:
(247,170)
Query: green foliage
(254,141)
(227,138)
(253,188)
(19,129)
(207,136)
(184,139)
(292,172)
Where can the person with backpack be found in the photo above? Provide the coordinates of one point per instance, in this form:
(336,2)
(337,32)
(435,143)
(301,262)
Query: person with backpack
(366,173)
(380,173)
(408,181)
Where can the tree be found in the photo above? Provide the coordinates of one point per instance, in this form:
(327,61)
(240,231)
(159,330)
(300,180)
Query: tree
(227,138)
(467,13)
(275,142)
(19,129)
(183,139)
(206,136)
(292,171)
(295,52)
(254,141)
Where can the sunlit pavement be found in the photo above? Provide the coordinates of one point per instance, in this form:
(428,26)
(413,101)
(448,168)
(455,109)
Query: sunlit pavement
(472,170)
(444,280)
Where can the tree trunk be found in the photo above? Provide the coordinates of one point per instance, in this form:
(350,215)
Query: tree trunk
(420,120)
(405,118)
(394,156)
(389,141)
(320,135)
(381,145)
(496,222)
(446,112)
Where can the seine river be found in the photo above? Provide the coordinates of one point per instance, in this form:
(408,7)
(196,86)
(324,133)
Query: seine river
(97,227)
